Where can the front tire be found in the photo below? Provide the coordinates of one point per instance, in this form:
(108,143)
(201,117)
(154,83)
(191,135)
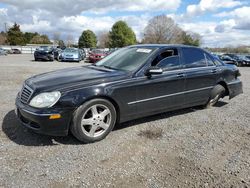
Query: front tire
(93,121)
(217,92)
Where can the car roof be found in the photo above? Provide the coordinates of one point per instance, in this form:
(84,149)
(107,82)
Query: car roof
(162,45)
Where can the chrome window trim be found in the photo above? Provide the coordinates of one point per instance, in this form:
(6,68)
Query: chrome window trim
(169,95)
(194,68)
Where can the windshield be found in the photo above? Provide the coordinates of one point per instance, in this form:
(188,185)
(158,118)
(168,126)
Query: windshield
(127,59)
(44,48)
(97,52)
(70,50)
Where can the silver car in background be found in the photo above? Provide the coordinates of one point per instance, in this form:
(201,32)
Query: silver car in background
(70,55)
(3,52)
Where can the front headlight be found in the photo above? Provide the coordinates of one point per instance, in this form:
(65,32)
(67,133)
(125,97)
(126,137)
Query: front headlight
(45,100)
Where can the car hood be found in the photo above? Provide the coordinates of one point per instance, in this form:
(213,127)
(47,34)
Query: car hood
(66,79)
(43,51)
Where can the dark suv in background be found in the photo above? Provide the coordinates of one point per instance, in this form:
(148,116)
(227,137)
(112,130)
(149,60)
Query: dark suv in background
(240,60)
(44,53)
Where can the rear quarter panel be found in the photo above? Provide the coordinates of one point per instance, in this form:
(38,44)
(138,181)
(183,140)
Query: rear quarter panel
(229,76)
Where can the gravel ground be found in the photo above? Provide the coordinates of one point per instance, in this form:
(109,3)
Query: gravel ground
(187,148)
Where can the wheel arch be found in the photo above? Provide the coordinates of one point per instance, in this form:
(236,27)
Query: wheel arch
(224,84)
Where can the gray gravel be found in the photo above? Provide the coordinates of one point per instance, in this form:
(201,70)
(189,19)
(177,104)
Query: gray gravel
(187,148)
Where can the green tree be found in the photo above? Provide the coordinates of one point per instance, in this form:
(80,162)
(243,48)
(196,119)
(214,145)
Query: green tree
(87,39)
(192,39)
(15,35)
(40,39)
(28,36)
(121,35)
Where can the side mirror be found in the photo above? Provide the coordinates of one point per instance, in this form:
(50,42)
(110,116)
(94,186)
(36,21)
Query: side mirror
(153,71)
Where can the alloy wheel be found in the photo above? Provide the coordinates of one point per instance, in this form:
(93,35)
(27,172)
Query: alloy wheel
(96,120)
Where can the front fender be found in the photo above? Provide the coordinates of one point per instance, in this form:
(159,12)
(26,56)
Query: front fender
(76,97)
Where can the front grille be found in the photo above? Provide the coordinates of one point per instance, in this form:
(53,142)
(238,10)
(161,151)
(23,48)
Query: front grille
(26,93)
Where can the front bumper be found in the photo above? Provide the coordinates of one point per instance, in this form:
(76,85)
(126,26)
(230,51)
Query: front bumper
(39,120)
(70,59)
(94,59)
(44,56)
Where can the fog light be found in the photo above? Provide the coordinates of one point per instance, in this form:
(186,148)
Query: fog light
(55,116)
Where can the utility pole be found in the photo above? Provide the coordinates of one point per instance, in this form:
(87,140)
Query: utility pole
(5,25)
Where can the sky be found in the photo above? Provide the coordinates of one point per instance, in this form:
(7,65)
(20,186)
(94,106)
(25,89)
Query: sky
(219,22)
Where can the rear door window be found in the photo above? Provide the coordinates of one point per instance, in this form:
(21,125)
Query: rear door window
(193,58)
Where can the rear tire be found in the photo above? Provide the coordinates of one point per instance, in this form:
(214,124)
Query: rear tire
(217,92)
(93,121)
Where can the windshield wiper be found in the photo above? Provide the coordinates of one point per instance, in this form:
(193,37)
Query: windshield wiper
(108,67)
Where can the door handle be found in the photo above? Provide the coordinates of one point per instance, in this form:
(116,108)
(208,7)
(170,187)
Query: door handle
(213,70)
(180,75)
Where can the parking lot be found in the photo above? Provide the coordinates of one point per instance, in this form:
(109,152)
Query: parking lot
(193,147)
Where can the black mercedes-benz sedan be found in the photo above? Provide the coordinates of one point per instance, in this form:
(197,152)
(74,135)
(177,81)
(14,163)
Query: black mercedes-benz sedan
(130,83)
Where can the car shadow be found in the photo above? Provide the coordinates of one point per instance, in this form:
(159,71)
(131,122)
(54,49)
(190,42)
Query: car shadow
(157,117)
(41,61)
(23,136)
(220,104)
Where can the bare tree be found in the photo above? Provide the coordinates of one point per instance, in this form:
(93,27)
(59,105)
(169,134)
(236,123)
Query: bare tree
(162,29)
(70,40)
(103,40)
(3,38)
(56,38)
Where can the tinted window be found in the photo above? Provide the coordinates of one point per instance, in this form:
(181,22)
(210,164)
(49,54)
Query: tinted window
(169,63)
(164,54)
(217,61)
(97,51)
(193,58)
